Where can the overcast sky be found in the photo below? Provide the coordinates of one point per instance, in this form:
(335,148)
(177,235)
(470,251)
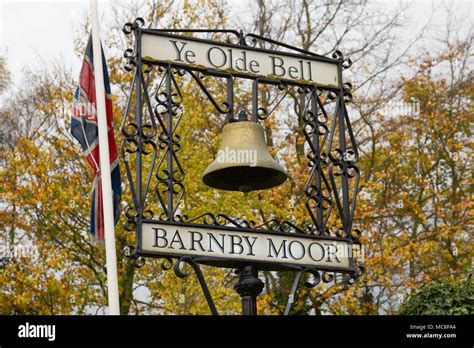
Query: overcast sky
(34,30)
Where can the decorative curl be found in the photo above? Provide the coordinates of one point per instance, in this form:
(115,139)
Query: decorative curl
(178,267)
(346,63)
(222,220)
(167,263)
(128,27)
(316,279)
(355,235)
(130,63)
(327,277)
(138,262)
(130,252)
(337,55)
(262,113)
(280,226)
(331,95)
(250,41)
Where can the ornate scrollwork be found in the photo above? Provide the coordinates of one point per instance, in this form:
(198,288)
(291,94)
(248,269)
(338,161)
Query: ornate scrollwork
(337,55)
(130,63)
(280,226)
(319,203)
(233,38)
(347,87)
(128,27)
(130,253)
(129,147)
(223,107)
(169,173)
(132,219)
(222,220)
(261,113)
(251,40)
(316,278)
(178,269)
(311,283)
(327,277)
(345,62)
(167,263)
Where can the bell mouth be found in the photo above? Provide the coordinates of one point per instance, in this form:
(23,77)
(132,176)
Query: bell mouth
(244,178)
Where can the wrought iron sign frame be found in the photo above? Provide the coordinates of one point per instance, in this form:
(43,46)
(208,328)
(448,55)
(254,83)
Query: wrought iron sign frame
(143,137)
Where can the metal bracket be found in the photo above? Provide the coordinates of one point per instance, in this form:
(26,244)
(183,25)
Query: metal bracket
(178,271)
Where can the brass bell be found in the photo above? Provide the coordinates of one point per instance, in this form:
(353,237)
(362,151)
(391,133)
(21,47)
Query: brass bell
(243,162)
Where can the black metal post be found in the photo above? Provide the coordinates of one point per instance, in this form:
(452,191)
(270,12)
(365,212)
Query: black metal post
(249,287)
(139,152)
(317,154)
(169,125)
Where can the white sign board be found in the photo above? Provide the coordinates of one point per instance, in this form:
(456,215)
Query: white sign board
(282,248)
(242,60)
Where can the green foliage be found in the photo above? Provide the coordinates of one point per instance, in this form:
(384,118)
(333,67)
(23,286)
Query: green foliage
(441,298)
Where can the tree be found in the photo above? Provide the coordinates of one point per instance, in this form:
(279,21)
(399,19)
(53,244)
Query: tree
(440,298)
(417,206)
(4,75)
(46,187)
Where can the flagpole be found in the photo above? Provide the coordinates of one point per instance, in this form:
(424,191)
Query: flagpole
(111,257)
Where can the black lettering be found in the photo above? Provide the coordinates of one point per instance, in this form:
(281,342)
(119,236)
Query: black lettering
(250,245)
(195,240)
(209,53)
(178,51)
(290,249)
(177,239)
(329,252)
(279,66)
(254,64)
(231,60)
(219,245)
(271,247)
(188,55)
(157,237)
(234,244)
(310,72)
(293,70)
(311,254)
(243,61)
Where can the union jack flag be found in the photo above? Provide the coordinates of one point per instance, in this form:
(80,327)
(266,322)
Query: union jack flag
(85,129)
